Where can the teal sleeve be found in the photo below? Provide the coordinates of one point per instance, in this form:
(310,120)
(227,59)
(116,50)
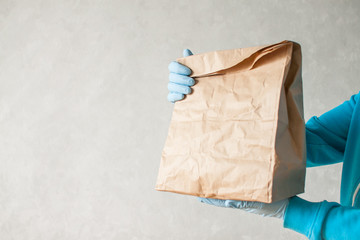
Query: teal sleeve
(326,135)
(342,223)
(322,220)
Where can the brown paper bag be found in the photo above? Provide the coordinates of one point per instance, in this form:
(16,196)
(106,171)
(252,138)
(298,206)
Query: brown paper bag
(240,135)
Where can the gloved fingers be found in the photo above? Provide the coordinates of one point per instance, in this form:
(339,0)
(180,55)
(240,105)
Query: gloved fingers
(174,96)
(173,87)
(178,68)
(234,204)
(187,53)
(255,211)
(252,204)
(213,201)
(181,79)
(275,209)
(223,203)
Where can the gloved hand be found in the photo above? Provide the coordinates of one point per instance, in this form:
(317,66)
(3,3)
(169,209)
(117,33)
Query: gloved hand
(180,82)
(275,209)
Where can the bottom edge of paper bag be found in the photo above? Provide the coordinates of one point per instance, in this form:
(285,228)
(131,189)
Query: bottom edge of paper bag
(232,197)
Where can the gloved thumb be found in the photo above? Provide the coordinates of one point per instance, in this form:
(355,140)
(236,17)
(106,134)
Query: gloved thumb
(187,53)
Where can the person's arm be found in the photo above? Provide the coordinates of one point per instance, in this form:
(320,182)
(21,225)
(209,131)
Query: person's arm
(322,220)
(326,135)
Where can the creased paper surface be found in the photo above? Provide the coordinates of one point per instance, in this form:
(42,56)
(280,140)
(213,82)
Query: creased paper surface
(240,134)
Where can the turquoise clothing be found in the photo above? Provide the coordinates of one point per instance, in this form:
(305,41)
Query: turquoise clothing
(333,137)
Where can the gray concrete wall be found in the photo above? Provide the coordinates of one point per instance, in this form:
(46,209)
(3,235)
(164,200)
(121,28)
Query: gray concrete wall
(84,115)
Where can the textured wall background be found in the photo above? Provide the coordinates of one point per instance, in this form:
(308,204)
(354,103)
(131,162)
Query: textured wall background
(84,115)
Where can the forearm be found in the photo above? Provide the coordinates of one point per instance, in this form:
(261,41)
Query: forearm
(342,223)
(322,220)
(326,135)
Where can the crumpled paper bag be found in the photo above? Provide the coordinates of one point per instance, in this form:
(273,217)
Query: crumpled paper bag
(240,134)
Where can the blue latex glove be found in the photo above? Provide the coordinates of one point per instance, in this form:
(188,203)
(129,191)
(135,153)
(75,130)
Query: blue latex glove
(275,209)
(179,80)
